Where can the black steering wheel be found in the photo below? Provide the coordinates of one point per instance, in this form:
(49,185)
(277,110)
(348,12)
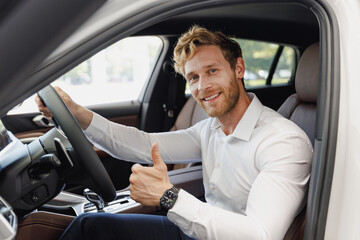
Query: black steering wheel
(87,157)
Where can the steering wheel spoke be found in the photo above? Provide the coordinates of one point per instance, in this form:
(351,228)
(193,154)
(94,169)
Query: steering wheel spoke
(98,179)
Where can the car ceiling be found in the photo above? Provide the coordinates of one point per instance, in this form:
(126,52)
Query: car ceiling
(287,23)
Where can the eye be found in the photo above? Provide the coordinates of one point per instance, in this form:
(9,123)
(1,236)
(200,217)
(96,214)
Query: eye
(213,70)
(193,78)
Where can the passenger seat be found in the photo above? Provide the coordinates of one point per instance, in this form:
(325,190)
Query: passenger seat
(300,108)
(189,115)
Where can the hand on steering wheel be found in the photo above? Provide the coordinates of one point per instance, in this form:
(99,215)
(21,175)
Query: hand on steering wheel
(87,157)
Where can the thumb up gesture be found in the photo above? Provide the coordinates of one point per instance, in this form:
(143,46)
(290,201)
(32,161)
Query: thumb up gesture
(148,184)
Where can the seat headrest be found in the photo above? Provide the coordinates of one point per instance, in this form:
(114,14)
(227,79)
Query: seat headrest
(307,74)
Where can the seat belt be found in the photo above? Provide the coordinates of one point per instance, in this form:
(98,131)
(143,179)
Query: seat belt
(171,107)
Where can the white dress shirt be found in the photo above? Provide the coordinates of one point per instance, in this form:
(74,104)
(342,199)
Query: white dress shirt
(255,179)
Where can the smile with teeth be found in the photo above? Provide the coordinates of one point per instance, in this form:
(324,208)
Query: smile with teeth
(211,97)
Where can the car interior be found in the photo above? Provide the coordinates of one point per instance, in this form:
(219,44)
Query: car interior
(164,104)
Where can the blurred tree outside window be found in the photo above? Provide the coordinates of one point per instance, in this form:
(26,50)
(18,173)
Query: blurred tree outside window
(258,57)
(116,74)
(285,66)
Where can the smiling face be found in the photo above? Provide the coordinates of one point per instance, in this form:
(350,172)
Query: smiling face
(213,83)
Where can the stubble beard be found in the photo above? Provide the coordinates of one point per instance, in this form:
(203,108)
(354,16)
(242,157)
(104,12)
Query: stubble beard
(231,93)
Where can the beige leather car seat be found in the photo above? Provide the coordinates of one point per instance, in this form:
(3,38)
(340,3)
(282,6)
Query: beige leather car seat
(300,108)
(189,115)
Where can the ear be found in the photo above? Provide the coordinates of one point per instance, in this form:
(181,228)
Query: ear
(240,68)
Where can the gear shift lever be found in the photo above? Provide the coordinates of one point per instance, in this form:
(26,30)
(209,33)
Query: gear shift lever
(95,199)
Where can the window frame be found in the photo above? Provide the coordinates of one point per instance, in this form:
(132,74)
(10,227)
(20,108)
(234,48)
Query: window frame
(274,64)
(102,104)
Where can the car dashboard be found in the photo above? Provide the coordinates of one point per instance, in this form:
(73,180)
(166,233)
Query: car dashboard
(8,219)
(15,159)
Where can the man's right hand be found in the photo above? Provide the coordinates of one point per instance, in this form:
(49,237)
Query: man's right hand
(82,115)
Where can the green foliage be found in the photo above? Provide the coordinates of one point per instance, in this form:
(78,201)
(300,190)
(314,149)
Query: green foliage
(258,57)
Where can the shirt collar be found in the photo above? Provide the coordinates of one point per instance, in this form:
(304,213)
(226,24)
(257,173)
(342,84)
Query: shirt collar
(248,121)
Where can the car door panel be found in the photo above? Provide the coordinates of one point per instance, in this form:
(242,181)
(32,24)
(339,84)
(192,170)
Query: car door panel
(126,113)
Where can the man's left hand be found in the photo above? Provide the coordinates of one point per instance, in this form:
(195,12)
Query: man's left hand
(148,184)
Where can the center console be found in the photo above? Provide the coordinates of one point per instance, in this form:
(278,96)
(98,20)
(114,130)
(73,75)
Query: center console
(52,218)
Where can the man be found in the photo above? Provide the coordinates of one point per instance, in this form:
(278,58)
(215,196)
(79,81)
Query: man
(256,164)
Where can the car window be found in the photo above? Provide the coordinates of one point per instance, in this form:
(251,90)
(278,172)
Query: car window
(259,57)
(285,67)
(117,73)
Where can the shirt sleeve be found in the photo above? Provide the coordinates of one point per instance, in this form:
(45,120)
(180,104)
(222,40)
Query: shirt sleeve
(274,199)
(131,144)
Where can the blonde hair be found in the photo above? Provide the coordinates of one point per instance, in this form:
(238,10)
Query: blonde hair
(198,36)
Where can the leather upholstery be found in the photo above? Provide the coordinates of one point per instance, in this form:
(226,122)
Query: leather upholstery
(304,116)
(301,106)
(296,230)
(189,115)
(42,226)
(288,107)
(301,109)
(307,74)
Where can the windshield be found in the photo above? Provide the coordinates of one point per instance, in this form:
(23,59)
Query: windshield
(4,136)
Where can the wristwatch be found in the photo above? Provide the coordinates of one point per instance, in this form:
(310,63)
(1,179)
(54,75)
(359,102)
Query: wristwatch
(169,198)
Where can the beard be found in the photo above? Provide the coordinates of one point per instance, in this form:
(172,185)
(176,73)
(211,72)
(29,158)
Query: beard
(231,93)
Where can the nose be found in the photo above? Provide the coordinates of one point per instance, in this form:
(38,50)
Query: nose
(204,83)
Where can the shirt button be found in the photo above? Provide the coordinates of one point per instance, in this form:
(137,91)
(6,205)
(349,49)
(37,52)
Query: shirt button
(213,188)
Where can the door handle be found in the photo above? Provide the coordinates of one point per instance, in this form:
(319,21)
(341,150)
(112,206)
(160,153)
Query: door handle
(41,121)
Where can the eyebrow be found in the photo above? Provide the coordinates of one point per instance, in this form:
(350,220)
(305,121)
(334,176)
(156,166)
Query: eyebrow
(211,65)
(205,67)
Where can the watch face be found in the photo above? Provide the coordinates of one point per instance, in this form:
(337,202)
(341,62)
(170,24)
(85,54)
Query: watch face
(168,199)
